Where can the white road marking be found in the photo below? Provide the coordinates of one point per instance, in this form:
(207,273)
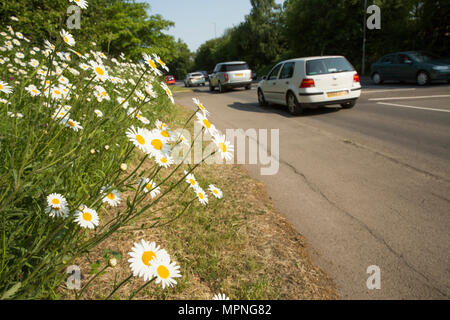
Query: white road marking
(411,107)
(391,90)
(407,98)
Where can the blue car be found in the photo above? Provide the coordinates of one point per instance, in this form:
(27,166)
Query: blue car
(418,66)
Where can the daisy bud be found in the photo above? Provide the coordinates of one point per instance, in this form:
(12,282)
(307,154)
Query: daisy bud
(112,262)
(123,167)
(92,151)
(106,147)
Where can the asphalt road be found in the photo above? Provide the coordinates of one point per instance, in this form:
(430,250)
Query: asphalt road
(366,186)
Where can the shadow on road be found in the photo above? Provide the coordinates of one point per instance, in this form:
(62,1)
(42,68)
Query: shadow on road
(281,110)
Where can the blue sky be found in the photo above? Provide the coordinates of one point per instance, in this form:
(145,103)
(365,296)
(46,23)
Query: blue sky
(199,20)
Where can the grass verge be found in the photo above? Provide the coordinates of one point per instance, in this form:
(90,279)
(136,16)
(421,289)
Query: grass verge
(239,245)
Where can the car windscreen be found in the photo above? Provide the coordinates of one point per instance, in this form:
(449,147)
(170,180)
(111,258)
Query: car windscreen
(235,67)
(328,65)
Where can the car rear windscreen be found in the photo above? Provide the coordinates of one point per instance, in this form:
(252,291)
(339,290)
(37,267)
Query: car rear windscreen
(235,67)
(196,75)
(328,65)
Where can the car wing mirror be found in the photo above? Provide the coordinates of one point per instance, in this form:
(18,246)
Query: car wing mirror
(264,77)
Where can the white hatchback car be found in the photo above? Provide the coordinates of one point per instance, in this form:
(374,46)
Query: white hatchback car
(311,82)
(194,79)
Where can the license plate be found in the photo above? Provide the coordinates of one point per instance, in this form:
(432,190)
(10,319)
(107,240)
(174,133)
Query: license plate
(337,94)
(239,74)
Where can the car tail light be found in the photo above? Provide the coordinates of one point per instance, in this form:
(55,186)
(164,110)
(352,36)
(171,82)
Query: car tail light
(226,76)
(307,83)
(355,77)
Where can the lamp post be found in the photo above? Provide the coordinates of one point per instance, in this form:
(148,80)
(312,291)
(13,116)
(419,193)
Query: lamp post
(363,67)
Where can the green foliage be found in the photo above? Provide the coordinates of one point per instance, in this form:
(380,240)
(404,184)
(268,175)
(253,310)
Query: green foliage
(322,27)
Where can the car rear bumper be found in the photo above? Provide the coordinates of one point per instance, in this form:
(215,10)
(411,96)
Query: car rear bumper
(314,98)
(238,84)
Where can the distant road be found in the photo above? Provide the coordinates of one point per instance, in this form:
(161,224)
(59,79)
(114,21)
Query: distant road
(366,186)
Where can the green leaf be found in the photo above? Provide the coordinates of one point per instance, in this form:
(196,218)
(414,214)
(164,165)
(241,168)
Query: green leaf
(12,291)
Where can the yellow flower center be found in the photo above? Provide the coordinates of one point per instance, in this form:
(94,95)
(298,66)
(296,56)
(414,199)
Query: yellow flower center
(147,256)
(169,93)
(200,195)
(57,92)
(148,186)
(165,133)
(215,191)
(207,123)
(157,144)
(151,63)
(111,196)
(100,71)
(66,40)
(1,86)
(163,272)
(140,139)
(55,201)
(87,216)
(163,160)
(192,181)
(223,147)
(71,123)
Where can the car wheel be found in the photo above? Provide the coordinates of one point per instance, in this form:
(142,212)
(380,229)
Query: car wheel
(423,78)
(221,88)
(349,105)
(376,78)
(248,87)
(211,88)
(262,101)
(293,106)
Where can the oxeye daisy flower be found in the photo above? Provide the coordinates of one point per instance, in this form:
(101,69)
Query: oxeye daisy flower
(158,59)
(168,92)
(84,66)
(140,138)
(224,147)
(62,212)
(142,254)
(200,106)
(158,144)
(191,180)
(87,218)
(83,4)
(67,37)
(63,80)
(149,186)
(77,53)
(165,271)
(220,296)
(75,125)
(160,125)
(48,46)
(112,198)
(4,87)
(164,161)
(149,61)
(215,191)
(201,195)
(98,113)
(99,70)
(34,63)
(57,93)
(56,200)
(32,90)
(143,119)
(209,127)
(20,55)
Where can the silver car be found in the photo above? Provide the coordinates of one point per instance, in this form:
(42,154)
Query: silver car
(230,75)
(194,79)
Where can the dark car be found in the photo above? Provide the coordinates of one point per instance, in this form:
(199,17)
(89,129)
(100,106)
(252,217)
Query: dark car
(421,67)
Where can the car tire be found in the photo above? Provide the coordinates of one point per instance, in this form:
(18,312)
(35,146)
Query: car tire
(248,87)
(294,107)
(211,88)
(348,105)
(261,99)
(376,78)
(422,78)
(221,88)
